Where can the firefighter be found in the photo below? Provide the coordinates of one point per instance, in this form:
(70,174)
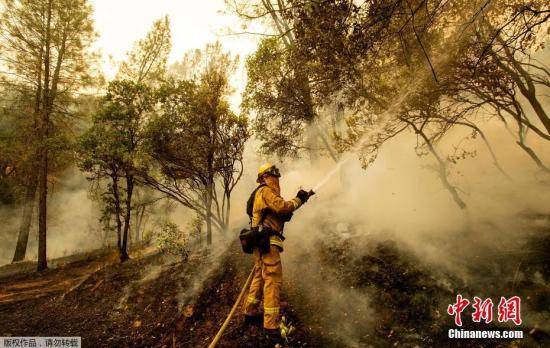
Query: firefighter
(271,211)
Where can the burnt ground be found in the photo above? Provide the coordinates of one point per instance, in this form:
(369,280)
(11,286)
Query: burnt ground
(354,292)
(370,290)
(152,300)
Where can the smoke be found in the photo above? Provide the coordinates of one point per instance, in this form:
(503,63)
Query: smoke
(400,199)
(73,217)
(192,283)
(9,217)
(72,221)
(401,192)
(149,274)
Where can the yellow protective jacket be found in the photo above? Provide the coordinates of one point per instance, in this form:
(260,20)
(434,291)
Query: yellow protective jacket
(268,197)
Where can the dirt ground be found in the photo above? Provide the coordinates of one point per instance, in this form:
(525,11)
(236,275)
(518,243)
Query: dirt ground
(153,300)
(381,297)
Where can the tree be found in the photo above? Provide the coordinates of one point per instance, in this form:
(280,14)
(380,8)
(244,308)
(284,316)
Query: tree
(45,45)
(372,60)
(146,62)
(375,61)
(112,149)
(16,163)
(197,142)
(278,98)
(286,98)
(18,146)
(498,67)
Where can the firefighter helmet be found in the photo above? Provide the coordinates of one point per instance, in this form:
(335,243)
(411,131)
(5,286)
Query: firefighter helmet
(268,168)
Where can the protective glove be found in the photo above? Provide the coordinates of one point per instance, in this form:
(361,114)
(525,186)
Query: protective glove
(286,217)
(303,195)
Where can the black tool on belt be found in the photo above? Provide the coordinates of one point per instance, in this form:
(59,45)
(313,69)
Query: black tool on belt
(257,237)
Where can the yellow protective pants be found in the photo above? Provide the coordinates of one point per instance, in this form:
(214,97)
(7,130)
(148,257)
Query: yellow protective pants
(267,279)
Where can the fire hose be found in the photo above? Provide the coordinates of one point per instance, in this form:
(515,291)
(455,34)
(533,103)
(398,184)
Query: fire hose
(232,312)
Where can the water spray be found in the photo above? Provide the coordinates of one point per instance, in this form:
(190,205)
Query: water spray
(404,93)
(329,175)
(364,139)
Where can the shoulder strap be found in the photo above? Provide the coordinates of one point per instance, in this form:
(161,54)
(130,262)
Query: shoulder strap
(265,212)
(250,203)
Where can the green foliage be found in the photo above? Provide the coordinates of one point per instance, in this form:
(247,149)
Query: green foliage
(195,140)
(278,95)
(195,228)
(365,72)
(111,148)
(169,238)
(406,59)
(14,159)
(179,138)
(27,98)
(181,134)
(22,22)
(113,142)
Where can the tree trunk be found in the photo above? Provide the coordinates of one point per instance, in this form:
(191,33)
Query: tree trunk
(442,168)
(143,226)
(227,210)
(26,218)
(106,232)
(527,88)
(43,196)
(30,195)
(533,156)
(210,173)
(442,171)
(321,134)
(539,110)
(311,144)
(209,214)
(43,146)
(116,196)
(139,224)
(128,213)
(42,207)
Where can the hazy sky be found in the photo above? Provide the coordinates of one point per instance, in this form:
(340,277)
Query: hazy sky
(194,23)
